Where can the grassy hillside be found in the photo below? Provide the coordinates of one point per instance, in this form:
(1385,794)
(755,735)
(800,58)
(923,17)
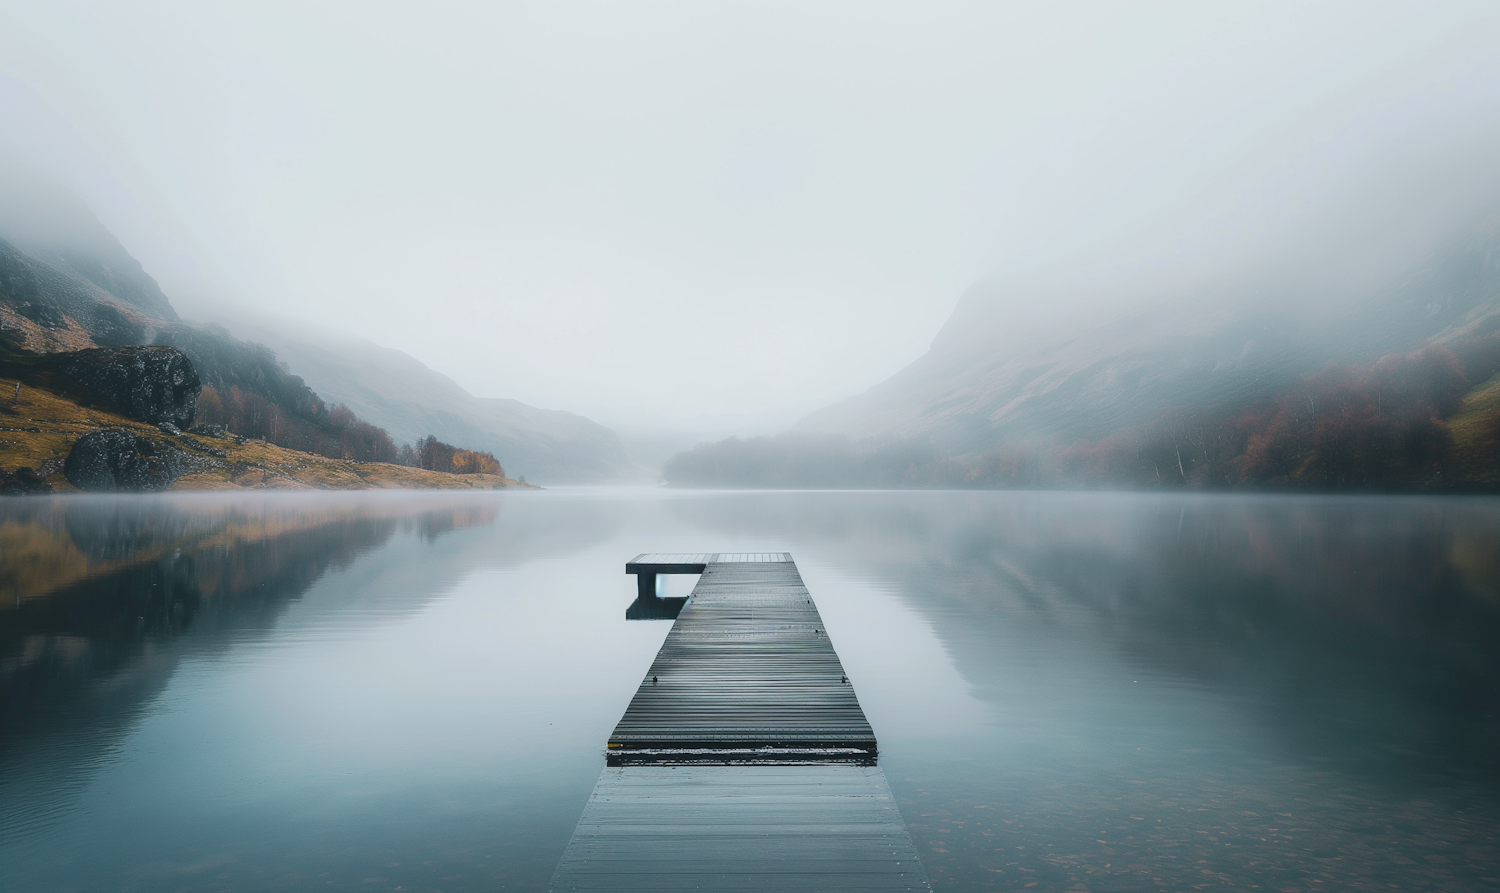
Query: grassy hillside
(38,428)
(1474,429)
(397,392)
(67,284)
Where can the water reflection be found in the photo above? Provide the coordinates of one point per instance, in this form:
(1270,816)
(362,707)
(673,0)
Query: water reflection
(1183,677)
(110,595)
(1079,690)
(1362,625)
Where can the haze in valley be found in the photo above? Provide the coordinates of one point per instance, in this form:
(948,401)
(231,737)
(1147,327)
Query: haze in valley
(686,223)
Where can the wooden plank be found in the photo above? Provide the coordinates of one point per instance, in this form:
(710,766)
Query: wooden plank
(673,558)
(752,557)
(669,563)
(694,562)
(746,665)
(826,827)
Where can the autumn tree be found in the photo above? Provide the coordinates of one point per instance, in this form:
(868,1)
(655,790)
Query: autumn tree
(435,455)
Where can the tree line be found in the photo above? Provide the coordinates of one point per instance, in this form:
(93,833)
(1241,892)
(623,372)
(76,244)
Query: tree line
(1348,426)
(334,432)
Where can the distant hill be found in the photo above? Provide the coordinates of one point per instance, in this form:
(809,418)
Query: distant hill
(1119,400)
(977,385)
(41,425)
(66,283)
(965,394)
(396,391)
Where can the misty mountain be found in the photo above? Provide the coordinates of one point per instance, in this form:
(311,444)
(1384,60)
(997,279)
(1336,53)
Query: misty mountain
(76,258)
(1451,297)
(52,308)
(979,384)
(399,393)
(66,284)
(1396,389)
(966,395)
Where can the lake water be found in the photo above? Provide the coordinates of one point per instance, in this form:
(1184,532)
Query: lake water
(1071,691)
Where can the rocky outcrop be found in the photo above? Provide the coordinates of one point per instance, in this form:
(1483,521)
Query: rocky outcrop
(116,460)
(157,385)
(24,481)
(18,289)
(61,311)
(57,229)
(225,363)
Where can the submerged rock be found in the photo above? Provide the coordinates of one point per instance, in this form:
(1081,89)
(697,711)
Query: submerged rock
(156,385)
(113,459)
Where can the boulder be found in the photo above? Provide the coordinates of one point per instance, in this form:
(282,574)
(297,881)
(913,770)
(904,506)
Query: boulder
(156,384)
(113,459)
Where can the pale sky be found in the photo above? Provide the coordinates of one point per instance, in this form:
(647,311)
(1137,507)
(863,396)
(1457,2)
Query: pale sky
(720,215)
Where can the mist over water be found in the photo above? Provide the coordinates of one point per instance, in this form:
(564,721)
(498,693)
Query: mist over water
(1155,289)
(1119,691)
(577,180)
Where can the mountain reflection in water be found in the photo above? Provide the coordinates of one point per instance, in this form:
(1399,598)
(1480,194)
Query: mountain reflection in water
(1271,690)
(1369,626)
(1100,691)
(104,592)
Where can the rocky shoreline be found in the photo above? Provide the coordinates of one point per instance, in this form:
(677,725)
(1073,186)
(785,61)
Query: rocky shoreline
(114,420)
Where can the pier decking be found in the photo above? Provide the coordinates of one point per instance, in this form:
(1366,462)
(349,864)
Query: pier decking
(744,761)
(748,665)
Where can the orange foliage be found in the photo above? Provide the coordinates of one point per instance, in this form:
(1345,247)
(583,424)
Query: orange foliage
(434,455)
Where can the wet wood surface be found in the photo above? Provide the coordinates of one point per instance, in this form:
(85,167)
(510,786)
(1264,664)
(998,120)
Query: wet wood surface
(747,664)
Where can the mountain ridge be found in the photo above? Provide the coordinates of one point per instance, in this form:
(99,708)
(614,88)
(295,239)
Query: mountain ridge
(68,284)
(1254,391)
(400,393)
(964,391)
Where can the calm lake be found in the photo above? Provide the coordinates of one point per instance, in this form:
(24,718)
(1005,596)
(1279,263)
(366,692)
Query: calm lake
(1071,691)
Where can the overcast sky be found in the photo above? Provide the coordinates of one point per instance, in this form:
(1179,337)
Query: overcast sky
(726,215)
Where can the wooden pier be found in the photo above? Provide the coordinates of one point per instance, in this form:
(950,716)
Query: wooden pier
(744,761)
(747,666)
